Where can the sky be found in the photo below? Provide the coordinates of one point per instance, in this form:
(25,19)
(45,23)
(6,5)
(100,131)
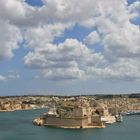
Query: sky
(69,47)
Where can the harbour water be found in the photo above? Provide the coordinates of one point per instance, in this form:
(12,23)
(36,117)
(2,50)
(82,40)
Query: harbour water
(18,126)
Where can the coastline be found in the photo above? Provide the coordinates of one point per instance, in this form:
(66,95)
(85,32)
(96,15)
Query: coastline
(124,102)
(75,127)
(107,104)
(20,127)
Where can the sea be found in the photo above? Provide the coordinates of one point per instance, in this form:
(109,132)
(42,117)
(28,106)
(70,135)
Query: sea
(18,125)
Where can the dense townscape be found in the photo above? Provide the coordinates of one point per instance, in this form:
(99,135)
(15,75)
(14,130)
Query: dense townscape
(81,111)
(120,102)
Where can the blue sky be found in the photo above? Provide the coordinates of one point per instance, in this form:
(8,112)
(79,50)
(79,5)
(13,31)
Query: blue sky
(62,47)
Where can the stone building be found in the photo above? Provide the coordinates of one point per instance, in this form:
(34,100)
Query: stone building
(72,117)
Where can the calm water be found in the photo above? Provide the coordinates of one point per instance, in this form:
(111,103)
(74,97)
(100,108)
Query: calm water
(18,126)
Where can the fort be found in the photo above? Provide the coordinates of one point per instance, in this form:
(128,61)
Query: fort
(80,111)
(79,114)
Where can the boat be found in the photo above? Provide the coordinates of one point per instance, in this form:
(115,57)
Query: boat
(119,118)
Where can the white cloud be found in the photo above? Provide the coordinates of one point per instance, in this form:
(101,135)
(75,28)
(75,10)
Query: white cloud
(120,39)
(9,38)
(2,78)
(123,69)
(92,38)
(70,11)
(134,9)
(10,76)
(12,14)
(41,35)
(110,24)
(12,9)
(64,73)
(68,60)
(125,42)
(13,76)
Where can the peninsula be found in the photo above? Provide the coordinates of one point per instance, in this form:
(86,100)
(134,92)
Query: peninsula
(81,111)
(77,113)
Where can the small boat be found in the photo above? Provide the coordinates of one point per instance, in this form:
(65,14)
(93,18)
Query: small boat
(119,118)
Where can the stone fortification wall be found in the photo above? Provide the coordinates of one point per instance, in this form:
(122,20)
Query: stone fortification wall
(96,120)
(66,122)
